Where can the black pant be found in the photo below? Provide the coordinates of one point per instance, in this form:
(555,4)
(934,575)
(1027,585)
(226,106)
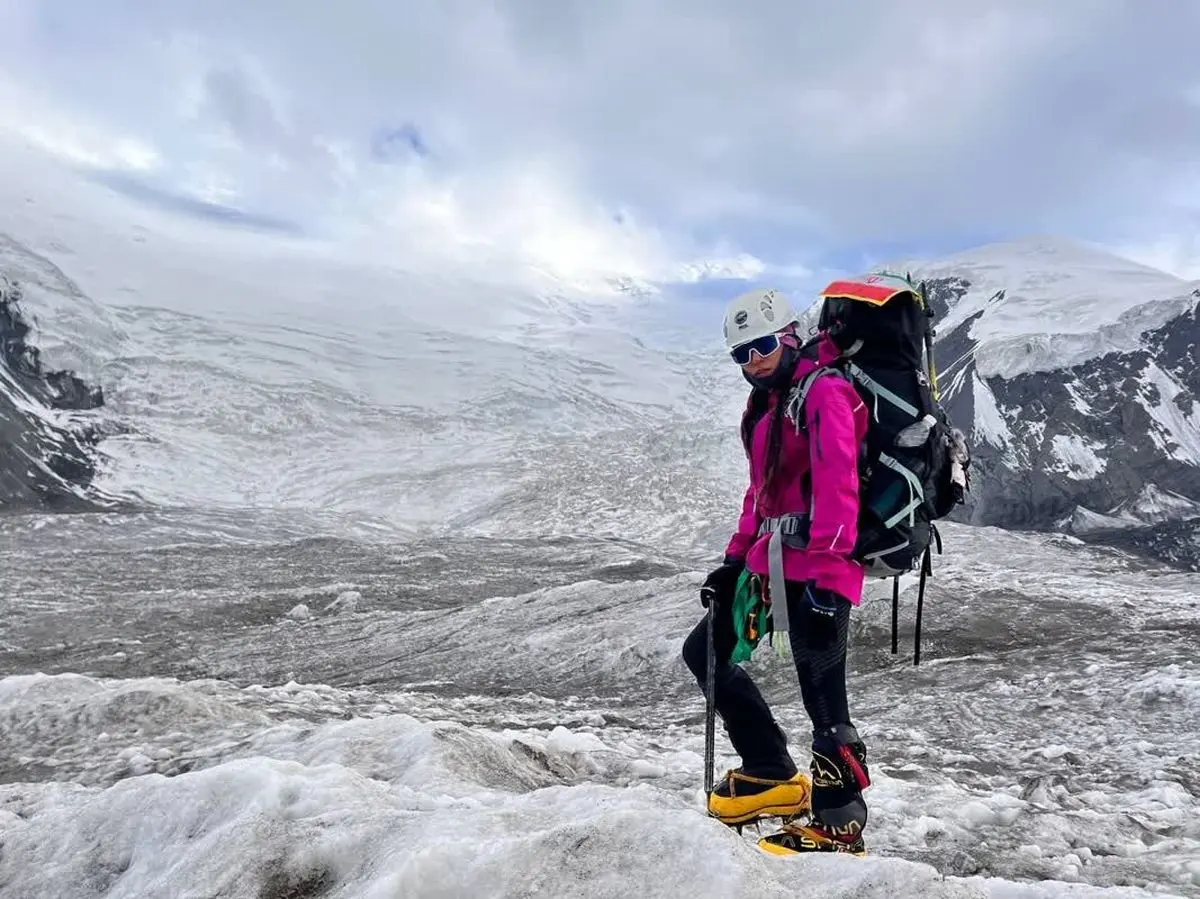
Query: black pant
(751,727)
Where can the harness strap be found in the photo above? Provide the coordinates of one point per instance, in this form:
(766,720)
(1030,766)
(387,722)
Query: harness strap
(785,530)
(778,583)
(794,526)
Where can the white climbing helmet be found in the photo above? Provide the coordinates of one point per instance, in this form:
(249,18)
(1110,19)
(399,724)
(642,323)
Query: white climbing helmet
(756,314)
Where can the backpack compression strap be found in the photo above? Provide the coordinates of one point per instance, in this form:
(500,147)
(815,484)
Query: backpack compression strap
(882,393)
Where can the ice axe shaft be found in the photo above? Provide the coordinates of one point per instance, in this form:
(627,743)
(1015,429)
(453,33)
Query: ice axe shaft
(710,704)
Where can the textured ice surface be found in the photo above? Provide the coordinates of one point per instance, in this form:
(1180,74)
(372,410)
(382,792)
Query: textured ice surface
(494,505)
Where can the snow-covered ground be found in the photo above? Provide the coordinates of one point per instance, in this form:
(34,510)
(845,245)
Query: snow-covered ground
(544,735)
(401,613)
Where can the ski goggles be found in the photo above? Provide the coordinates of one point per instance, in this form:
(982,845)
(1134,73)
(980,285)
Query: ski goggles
(764,346)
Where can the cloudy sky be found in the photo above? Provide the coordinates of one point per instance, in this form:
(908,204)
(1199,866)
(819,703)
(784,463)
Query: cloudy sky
(643,136)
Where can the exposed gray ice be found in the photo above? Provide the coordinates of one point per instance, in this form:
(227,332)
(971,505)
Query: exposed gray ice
(366,634)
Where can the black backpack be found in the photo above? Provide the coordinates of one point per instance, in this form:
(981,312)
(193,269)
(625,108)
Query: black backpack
(914,463)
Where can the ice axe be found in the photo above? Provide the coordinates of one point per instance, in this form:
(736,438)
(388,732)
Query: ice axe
(710,706)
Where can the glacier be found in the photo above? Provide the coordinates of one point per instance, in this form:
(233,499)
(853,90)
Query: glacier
(395,601)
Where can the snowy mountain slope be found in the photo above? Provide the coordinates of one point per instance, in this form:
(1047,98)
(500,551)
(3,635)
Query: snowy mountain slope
(1076,373)
(1041,304)
(245,370)
(470,401)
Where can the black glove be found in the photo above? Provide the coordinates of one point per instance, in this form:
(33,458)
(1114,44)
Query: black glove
(822,609)
(721,583)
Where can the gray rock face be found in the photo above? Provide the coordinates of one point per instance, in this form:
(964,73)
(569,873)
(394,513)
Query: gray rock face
(47,456)
(1107,448)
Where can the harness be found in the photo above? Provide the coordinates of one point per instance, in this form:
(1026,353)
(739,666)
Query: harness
(785,530)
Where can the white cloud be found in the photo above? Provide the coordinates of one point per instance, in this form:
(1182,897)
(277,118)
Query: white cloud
(1177,253)
(71,137)
(652,137)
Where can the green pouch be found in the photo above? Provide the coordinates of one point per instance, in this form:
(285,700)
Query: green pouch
(750,614)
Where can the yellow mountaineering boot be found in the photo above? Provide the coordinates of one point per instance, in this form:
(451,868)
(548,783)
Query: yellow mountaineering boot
(839,814)
(741,798)
(794,839)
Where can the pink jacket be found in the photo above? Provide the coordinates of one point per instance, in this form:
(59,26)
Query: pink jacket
(817,474)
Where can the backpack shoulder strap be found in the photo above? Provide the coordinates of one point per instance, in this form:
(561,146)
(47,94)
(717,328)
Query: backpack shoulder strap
(799,392)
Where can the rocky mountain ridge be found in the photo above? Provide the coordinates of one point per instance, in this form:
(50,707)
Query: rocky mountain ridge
(1077,375)
(47,456)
